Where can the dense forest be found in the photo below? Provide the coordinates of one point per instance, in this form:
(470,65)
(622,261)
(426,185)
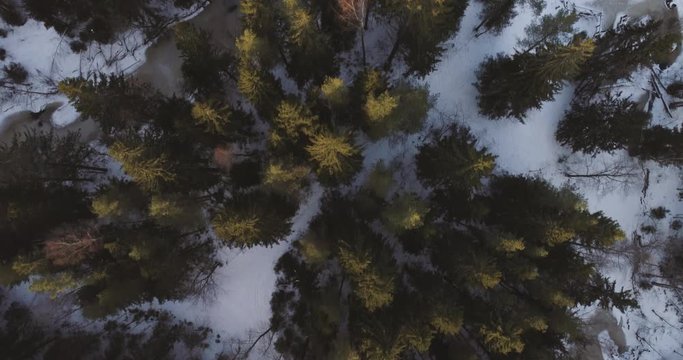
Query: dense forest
(436,255)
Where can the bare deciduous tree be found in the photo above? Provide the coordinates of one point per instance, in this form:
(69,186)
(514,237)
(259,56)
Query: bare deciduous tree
(355,14)
(71,244)
(602,172)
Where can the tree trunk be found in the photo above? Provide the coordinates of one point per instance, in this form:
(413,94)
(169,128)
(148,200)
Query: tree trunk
(82,167)
(367,14)
(246,353)
(282,54)
(487,19)
(362,43)
(394,50)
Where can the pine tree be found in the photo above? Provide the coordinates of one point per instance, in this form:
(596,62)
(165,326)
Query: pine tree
(260,88)
(502,342)
(175,210)
(293,125)
(406,212)
(254,50)
(389,111)
(333,154)
(285,178)
(215,118)
(558,63)
(149,171)
(119,200)
(305,43)
(335,92)
(379,108)
(243,230)
(258,16)
(373,288)
(301,22)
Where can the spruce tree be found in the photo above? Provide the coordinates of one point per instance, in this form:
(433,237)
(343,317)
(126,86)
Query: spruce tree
(497,14)
(607,124)
(621,50)
(253,219)
(45,159)
(510,243)
(114,102)
(660,144)
(509,86)
(423,27)
(454,161)
(204,66)
(305,43)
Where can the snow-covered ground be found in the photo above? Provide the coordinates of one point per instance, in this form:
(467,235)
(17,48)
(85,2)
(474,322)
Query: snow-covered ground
(654,331)
(48,59)
(241,303)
